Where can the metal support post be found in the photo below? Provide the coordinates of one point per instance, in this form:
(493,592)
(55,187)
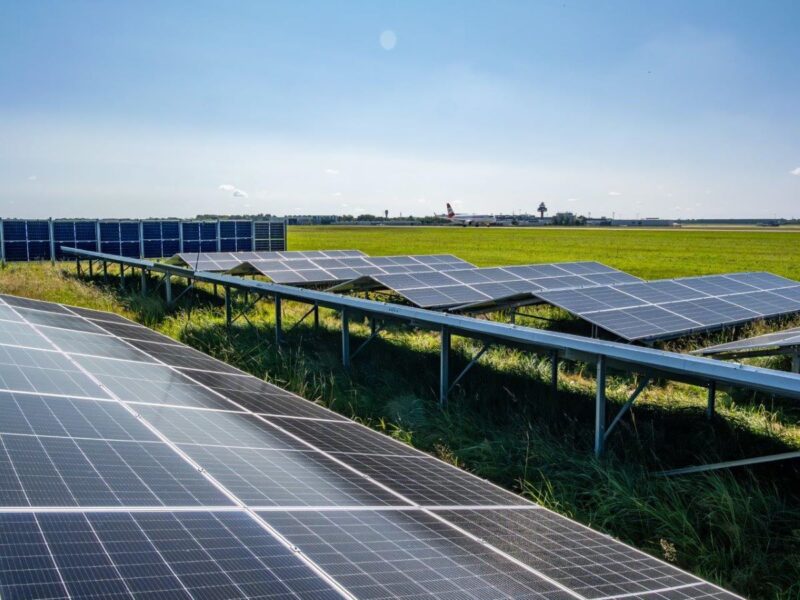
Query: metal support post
(105,271)
(168,288)
(444,367)
(91,268)
(554,374)
(712,399)
(144,281)
(278,316)
(215,291)
(345,338)
(796,362)
(121,276)
(316,317)
(228,306)
(78,266)
(600,408)
(52,238)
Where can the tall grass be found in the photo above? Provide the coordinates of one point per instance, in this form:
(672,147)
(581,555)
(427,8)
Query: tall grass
(739,528)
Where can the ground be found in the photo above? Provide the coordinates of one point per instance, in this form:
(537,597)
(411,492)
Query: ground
(739,528)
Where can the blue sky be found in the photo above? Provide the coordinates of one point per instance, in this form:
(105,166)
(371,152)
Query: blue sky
(671,109)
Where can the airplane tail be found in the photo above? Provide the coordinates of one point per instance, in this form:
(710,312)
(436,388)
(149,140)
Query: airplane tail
(450,212)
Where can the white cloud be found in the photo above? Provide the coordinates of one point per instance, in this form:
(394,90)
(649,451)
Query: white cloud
(795,171)
(572,199)
(336,194)
(227,187)
(388,39)
(237,193)
(35,177)
(332,171)
(614,193)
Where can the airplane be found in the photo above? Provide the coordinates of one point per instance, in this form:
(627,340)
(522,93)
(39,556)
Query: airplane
(467,220)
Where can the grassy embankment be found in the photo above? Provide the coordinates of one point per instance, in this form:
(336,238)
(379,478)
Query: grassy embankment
(739,528)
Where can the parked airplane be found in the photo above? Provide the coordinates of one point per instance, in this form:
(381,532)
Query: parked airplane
(466,220)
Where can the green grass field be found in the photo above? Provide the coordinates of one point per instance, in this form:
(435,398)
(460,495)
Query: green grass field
(646,253)
(740,528)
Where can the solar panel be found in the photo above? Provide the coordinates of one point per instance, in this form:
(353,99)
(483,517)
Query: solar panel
(669,308)
(224,261)
(466,288)
(789,338)
(134,466)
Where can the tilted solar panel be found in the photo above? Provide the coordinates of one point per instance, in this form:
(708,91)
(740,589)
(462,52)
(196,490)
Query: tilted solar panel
(468,288)
(132,466)
(788,338)
(654,310)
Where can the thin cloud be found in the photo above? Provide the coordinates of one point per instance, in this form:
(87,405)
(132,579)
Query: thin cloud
(237,193)
(615,193)
(227,187)
(332,171)
(795,171)
(35,177)
(336,194)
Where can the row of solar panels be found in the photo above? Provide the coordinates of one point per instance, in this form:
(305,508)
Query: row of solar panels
(318,267)
(132,466)
(42,239)
(614,301)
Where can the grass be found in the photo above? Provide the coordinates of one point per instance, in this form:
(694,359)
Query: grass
(739,528)
(650,254)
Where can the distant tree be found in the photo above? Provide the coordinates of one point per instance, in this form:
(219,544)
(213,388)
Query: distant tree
(542,209)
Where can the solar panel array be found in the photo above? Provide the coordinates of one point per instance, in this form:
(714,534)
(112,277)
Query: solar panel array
(225,261)
(661,309)
(133,466)
(331,269)
(788,338)
(466,287)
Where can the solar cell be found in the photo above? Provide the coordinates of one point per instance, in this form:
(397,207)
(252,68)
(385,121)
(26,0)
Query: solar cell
(14,333)
(50,319)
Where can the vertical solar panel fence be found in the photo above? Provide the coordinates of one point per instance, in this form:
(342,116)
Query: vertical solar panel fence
(235,236)
(80,234)
(269,236)
(42,239)
(160,238)
(26,239)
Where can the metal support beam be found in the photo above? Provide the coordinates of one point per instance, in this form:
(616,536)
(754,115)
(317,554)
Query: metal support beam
(91,268)
(712,399)
(374,332)
(554,374)
(215,290)
(316,317)
(444,367)
(278,320)
(168,288)
(144,281)
(345,339)
(78,266)
(730,463)
(470,364)
(121,276)
(626,407)
(105,271)
(228,306)
(600,408)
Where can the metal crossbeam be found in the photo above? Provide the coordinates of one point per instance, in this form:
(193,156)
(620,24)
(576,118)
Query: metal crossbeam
(470,364)
(376,330)
(729,464)
(626,407)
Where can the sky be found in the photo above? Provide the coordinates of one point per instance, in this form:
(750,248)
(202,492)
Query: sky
(671,109)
